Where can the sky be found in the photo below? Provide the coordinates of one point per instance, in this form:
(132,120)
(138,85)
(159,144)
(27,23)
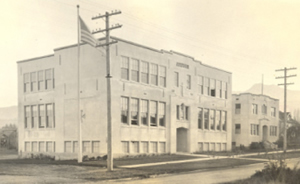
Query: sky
(248,38)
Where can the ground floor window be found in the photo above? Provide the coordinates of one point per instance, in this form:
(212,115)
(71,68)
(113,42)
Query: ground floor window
(41,146)
(86,146)
(200,146)
(27,147)
(125,146)
(75,147)
(68,146)
(135,146)
(34,147)
(273,130)
(95,146)
(144,147)
(162,147)
(154,147)
(254,129)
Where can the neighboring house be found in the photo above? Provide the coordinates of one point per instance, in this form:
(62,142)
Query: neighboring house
(255,118)
(9,137)
(162,102)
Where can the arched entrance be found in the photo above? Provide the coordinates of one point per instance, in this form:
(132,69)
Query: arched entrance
(181,142)
(265,133)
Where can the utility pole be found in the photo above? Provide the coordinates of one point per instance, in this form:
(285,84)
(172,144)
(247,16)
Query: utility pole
(108,77)
(285,96)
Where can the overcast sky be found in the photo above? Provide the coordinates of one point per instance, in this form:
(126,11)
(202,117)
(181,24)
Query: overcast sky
(247,38)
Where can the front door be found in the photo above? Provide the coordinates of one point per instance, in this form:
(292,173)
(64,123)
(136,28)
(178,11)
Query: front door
(182,141)
(265,133)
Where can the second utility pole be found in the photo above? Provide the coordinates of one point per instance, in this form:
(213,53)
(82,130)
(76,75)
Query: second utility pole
(108,77)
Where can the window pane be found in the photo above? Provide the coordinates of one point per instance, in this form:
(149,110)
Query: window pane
(200,114)
(96,147)
(134,111)
(42,146)
(153,113)
(206,120)
(68,148)
(124,110)
(212,119)
(125,146)
(86,147)
(144,112)
(161,112)
(176,79)
(135,70)
(145,72)
(125,68)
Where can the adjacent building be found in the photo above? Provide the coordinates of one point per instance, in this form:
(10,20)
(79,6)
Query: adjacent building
(255,119)
(162,102)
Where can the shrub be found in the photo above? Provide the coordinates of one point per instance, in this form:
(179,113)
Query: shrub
(256,145)
(85,158)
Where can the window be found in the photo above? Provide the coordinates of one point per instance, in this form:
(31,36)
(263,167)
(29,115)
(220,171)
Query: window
(176,79)
(218,89)
(186,113)
(188,82)
(212,87)
(237,128)
(41,146)
(68,146)
(144,147)
(264,109)
(27,116)
(49,116)
(154,147)
(212,119)
(135,70)
(224,120)
(212,147)
(162,147)
(75,146)
(125,68)
(224,90)
(86,146)
(135,146)
(161,113)
(49,146)
(206,118)
(153,113)
(273,130)
(206,86)
(42,116)
(41,84)
(200,118)
(162,76)
(125,146)
(27,146)
(34,116)
(144,112)
(33,85)
(200,146)
(218,119)
(200,84)
(206,146)
(95,146)
(49,79)
(124,110)
(154,74)
(34,147)
(224,147)
(26,82)
(134,111)
(254,108)
(273,111)
(178,112)
(145,72)
(254,129)
(237,108)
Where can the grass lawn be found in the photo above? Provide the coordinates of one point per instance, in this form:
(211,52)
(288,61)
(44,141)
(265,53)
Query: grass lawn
(266,155)
(5,151)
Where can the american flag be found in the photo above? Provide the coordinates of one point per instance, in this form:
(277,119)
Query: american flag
(86,35)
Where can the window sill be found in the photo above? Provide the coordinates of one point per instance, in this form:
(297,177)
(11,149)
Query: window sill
(144,84)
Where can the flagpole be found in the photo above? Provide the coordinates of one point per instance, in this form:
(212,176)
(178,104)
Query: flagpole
(78,90)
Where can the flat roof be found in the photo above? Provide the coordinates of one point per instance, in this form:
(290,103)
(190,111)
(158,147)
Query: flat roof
(252,94)
(35,58)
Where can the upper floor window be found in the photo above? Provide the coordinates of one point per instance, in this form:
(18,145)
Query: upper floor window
(218,119)
(34,116)
(212,87)
(176,79)
(145,72)
(125,68)
(124,110)
(254,108)
(26,82)
(38,115)
(135,70)
(264,109)
(224,120)
(200,84)
(27,116)
(237,128)
(144,112)
(188,81)
(41,83)
(224,90)
(154,74)
(33,84)
(212,119)
(206,118)
(42,121)
(237,108)
(134,111)
(218,89)
(49,116)
(153,113)
(49,79)
(206,86)
(200,118)
(273,111)
(162,76)
(162,113)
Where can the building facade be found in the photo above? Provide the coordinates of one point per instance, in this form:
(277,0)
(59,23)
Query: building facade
(255,118)
(162,102)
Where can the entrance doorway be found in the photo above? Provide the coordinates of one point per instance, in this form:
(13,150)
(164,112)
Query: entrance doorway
(265,133)
(182,141)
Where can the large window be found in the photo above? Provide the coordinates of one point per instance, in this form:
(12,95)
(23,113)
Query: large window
(212,119)
(144,112)
(206,118)
(218,119)
(154,74)
(41,83)
(34,116)
(124,110)
(206,86)
(200,118)
(273,111)
(273,130)
(125,68)
(135,70)
(42,121)
(26,82)
(49,79)
(264,109)
(200,84)
(254,108)
(27,116)
(39,80)
(237,128)
(254,129)
(224,120)
(33,85)
(212,87)
(237,108)
(134,111)
(188,82)
(162,76)
(162,113)
(153,113)
(145,72)
(176,79)
(49,116)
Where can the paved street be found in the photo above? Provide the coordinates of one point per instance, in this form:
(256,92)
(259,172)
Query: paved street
(208,177)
